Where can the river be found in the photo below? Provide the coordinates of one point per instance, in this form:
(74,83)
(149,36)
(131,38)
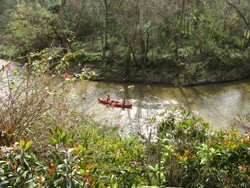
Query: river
(218,104)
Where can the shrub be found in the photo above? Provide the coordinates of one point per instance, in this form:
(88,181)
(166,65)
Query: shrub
(81,56)
(22,103)
(57,61)
(93,162)
(33,27)
(191,155)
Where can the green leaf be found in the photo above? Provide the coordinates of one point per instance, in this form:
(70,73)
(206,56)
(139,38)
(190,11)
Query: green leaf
(82,171)
(54,140)
(24,175)
(19,169)
(4,182)
(63,135)
(16,72)
(60,166)
(28,144)
(18,157)
(22,143)
(33,156)
(18,180)
(58,131)
(153,169)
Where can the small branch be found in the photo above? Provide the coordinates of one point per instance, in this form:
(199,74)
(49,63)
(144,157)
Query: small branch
(240,14)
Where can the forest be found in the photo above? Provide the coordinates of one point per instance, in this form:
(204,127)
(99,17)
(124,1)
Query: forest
(175,64)
(176,42)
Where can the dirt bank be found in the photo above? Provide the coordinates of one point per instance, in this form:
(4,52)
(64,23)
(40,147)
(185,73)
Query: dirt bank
(174,77)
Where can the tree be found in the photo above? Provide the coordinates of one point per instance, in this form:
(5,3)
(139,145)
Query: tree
(108,4)
(245,20)
(142,37)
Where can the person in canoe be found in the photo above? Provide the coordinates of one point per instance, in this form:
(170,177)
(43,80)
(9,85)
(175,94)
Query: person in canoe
(123,102)
(108,99)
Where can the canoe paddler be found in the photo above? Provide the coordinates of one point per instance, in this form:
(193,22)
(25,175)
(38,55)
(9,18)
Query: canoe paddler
(108,98)
(123,101)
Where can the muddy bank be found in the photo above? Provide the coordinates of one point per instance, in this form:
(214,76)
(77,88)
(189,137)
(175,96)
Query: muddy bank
(162,75)
(173,77)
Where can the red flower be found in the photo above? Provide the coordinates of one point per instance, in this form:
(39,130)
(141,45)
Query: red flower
(67,75)
(8,66)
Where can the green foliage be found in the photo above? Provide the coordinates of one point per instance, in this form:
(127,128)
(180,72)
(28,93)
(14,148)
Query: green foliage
(227,60)
(100,161)
(85,156)
(53,60)
(16,166)
(8,52)
(183,33)
(119,160)
(191,155)
(82,56)
(32,27)
(29,26)
(79,57)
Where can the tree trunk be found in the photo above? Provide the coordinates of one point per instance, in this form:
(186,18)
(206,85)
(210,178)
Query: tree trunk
(77,27)
(106,24)
(128,61)
(182,15)
(63,3)
(247,43)
(105,46)
(128,55)
(142,37)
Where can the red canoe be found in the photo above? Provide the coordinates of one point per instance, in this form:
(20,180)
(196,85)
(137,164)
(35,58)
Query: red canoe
(114,103)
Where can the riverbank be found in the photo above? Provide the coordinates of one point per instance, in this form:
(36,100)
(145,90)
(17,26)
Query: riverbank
(172,76)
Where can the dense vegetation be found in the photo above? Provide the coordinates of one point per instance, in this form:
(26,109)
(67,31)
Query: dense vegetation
(46,142)
(179,42)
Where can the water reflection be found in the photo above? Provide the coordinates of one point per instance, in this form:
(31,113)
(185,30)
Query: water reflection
(218,104)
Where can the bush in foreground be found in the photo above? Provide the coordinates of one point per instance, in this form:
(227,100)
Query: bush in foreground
(81,153)
(108,161)
(189,154)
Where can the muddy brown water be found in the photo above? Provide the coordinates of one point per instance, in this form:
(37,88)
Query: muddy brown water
(218,104)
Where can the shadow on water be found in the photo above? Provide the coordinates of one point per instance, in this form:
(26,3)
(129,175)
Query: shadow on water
(218,104)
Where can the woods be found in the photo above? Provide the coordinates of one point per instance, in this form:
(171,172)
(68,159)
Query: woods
(193,36)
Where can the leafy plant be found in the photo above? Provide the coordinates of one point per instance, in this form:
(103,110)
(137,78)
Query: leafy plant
(192,155)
